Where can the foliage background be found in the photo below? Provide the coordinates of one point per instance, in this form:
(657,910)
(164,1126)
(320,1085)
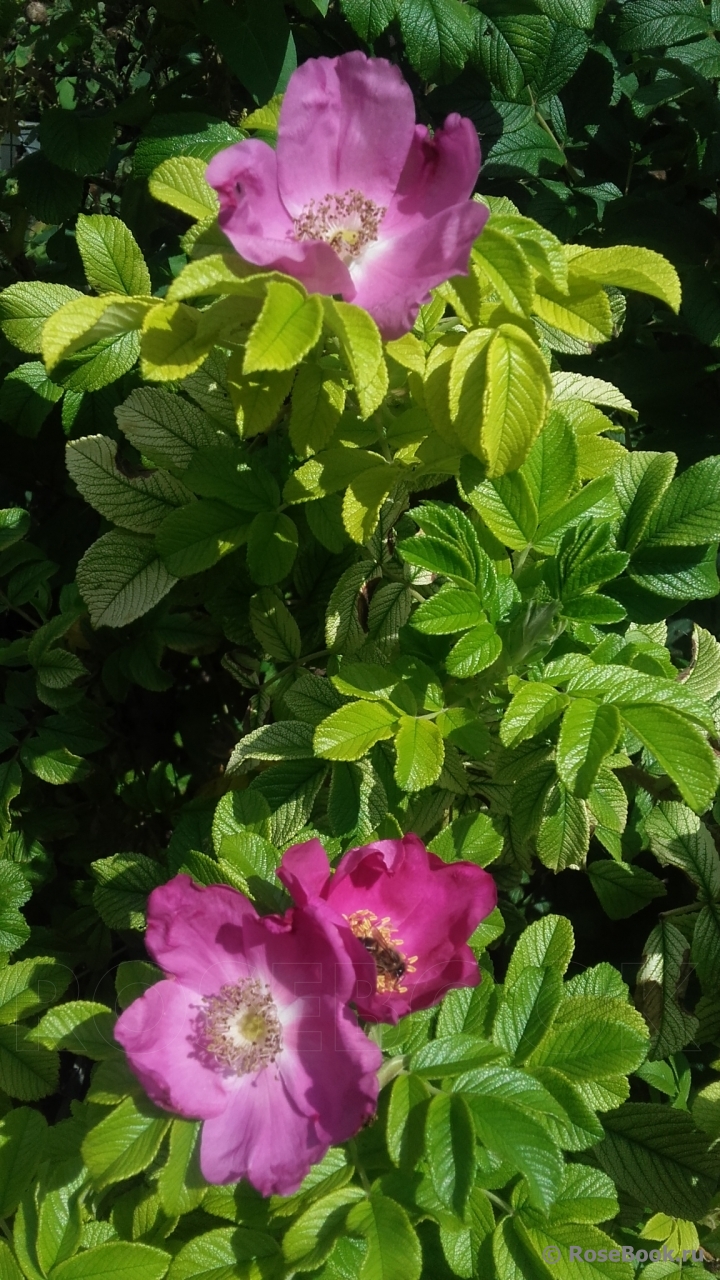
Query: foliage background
(600,122)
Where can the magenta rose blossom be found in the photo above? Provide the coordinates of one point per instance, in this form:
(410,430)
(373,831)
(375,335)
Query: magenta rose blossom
(251,1032)
(357,200)
(411,912)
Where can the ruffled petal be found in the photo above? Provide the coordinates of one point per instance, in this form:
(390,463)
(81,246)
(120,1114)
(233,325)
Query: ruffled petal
(159,1035)
(258,225)
(195,932)
(262,1137)
(331,1071)
(439,172)
(346,124)
(394,277)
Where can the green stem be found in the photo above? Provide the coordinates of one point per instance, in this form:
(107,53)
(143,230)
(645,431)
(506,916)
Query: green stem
(502,1204)
(352,1145)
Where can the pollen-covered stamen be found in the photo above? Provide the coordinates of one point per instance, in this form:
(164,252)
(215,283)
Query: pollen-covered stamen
(240,1026)
(376,935)
(348,222)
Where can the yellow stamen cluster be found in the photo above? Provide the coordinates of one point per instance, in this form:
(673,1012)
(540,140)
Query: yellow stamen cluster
(241,1028)
(378,938)
(347,223)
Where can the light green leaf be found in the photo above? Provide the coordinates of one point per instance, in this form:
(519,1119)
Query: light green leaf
(548,943)
(641,479)
(121,577)
(502,398)
(364,498)
(318,399)
(115,1260)
(27,1070)
(702,677)
(564,835)
(180,182)
(224,1254)
(533,707)
(175,341)
(476,651)
(449,611)
(26,306)
(588,733)
(84,322)
(124,1142)
(679,748)
(628,267)
(678,838)
(584,312)
(311,1236)
(406,1120)
(361,346)
(521,1139)
(26,987)
(526,1011)
(352,730)
(501,260)
(23,1133)
(420,753)
(450,1147)
(288,327)
(506,504)
(82,1026)
(124,882)
(257,398)
(111,256)
(592,1037)
(689,512)
(393,1249)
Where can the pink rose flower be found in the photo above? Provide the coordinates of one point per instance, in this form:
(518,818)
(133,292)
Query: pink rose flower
(411,912)
(357,200)
(251,1033)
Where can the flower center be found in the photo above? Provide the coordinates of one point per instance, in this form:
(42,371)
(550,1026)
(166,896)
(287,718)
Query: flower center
(347,223)
(378,938)
(241,1027)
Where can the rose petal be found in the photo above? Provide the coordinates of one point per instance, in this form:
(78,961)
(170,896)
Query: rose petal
(159,1034)
(195,932)
(394,277)
(439,172)
(261,1136)
(345,124)
(258,225)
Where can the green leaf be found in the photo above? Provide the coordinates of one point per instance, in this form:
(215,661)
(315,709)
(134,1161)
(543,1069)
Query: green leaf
(318,399)
(588,734)
(622,887)
(290,789)
(27,1070)
(219,1255)
(629,267)
(476,651)
(26,306)
(526,1011)
(14,524)
(27,396)
(361,346)
(9,1269)
(659,987)
(500,399)
(656,1154)
(680,749)
(548,943)
(501,259)
(82,1026)
(124,882)
(14,888)
(114,1261)
(196,536)
(533,707)
(111,257)
(311,1236)
(283,740)
(438,37)
(76,142)
(406,1120)
(420,753)
(352,730)
(176,339)
(23,1133)
(369,18)
(646,23)
(449,611)
(593,1037)
(86,325)
(124,1142)
(26,987)
(272,547)
(641,479)
(678,838)
(505,504)
(689,512)
(181,1186)
(288,327)
(393,1249)
(162,426)
(274,626)
(257,398)
(583,313)
(450,1147)
(550,468)
(180,182)
(472,837)
(564,835)
(139,503)
(185,134)
(121,577)
(364,498)
(521,1139)
(56,765)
